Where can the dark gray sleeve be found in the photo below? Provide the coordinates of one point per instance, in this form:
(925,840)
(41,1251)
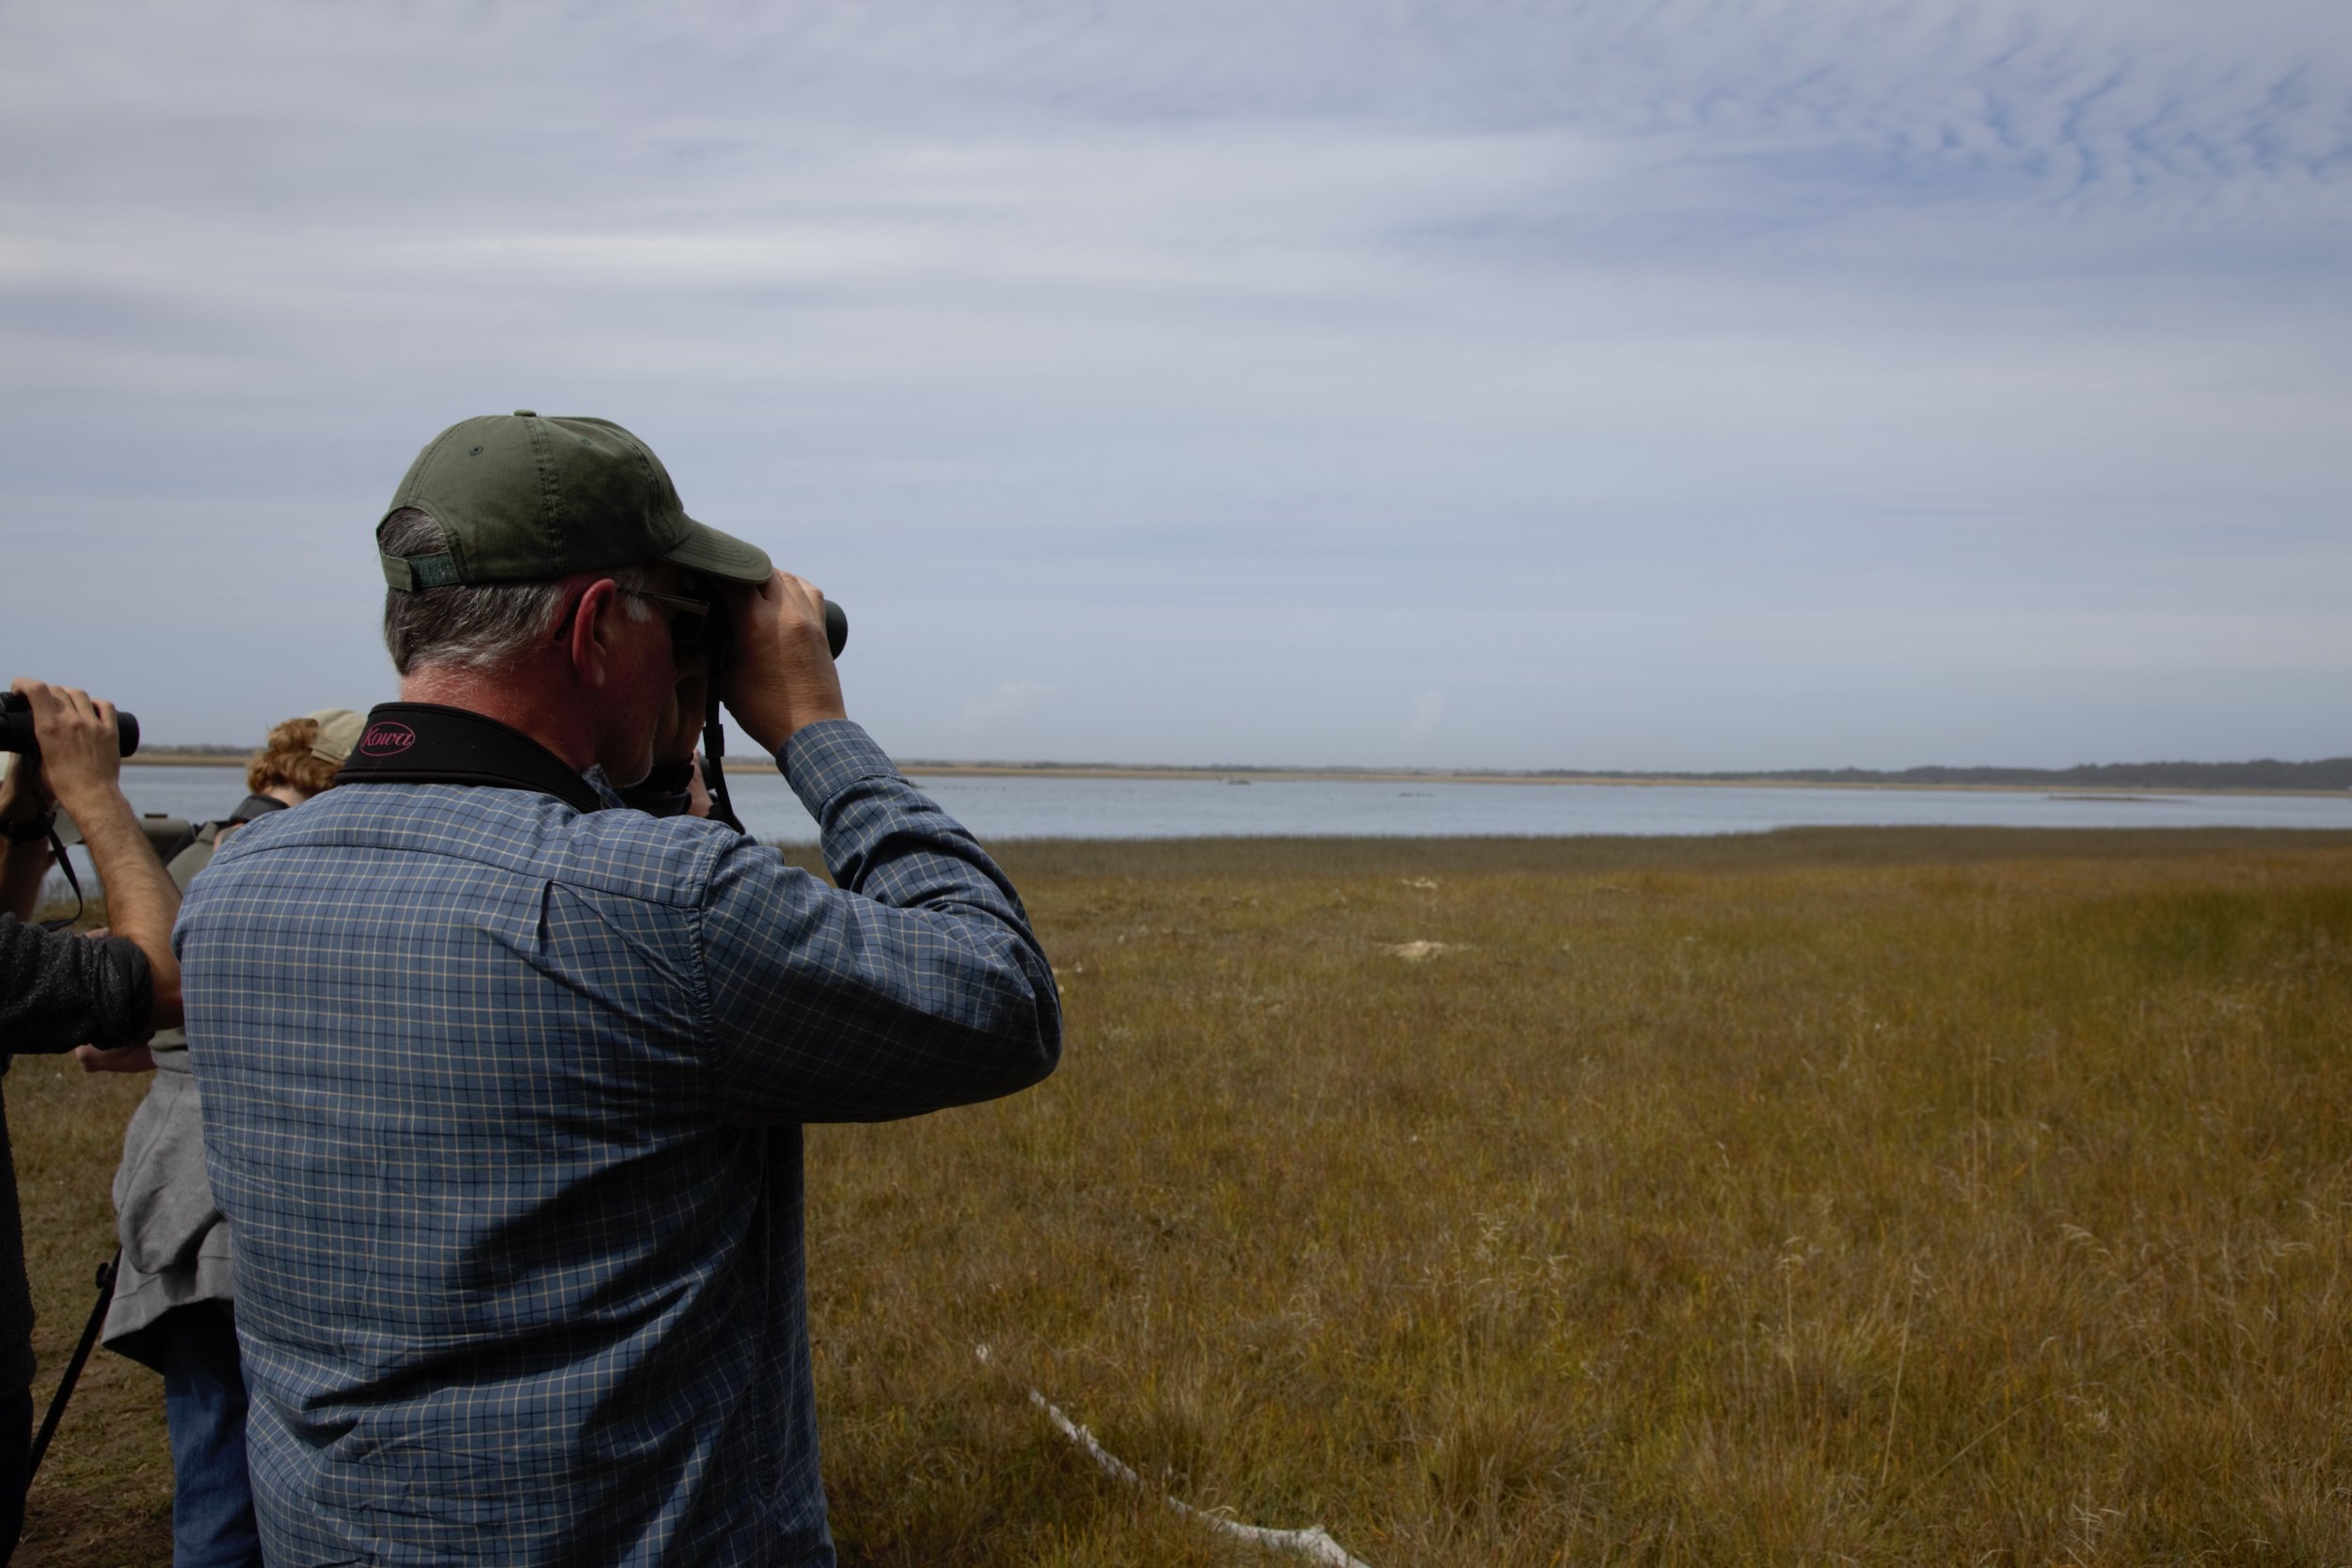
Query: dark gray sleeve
(59,990)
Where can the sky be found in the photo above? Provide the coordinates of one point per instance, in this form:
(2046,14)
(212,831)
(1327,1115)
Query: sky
(1687,385)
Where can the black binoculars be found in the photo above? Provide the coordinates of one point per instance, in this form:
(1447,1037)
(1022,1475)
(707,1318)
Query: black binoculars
(16,727)
(717,650)
(716,634)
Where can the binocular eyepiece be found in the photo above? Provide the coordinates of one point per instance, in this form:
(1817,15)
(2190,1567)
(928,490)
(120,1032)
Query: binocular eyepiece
(16,727)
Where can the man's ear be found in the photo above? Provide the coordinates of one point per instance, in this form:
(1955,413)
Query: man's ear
(593,623)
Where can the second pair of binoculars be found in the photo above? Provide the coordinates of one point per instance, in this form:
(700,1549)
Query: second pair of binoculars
(17,735)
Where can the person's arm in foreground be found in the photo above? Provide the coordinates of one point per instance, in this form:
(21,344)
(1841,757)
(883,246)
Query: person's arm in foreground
(115,1058)
(80,769)
(916,984)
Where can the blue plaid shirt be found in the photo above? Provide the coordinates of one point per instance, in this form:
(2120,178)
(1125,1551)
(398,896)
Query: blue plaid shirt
(503,1102)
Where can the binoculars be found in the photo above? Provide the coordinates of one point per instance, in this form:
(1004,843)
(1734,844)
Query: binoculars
(718,634)
(16,728)
(717,651)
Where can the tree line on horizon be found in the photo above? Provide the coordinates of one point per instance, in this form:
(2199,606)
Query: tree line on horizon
(2263,773)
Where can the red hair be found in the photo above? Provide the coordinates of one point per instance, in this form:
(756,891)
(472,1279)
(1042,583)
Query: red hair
(286,759)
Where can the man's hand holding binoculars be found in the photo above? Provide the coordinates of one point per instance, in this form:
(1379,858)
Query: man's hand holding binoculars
(80,767)
(781,675)
(77,765)
(770,661)
(80,761)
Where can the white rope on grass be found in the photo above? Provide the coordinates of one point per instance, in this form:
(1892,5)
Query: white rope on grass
(1313,1541)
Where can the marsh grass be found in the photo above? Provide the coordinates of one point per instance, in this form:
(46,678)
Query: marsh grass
(1887,1196)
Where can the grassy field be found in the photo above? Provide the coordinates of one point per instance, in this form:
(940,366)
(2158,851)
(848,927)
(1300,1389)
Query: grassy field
(1874,1195)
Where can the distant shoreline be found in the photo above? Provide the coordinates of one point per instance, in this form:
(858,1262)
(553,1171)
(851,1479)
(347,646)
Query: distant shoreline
(1648,781)
(168,757)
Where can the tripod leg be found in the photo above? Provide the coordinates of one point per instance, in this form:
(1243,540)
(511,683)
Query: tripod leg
(73,1367)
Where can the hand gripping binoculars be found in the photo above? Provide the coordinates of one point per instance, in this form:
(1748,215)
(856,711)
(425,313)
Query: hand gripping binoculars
(16,720)
(718,630)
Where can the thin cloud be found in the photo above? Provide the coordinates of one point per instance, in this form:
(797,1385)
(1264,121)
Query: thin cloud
(1009,702)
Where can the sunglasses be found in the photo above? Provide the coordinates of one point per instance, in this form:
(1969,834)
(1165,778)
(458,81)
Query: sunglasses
(693,630)
(690,619)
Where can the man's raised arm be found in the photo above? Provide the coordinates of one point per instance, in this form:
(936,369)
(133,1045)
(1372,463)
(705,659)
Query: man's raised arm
(919,984)
(80,769)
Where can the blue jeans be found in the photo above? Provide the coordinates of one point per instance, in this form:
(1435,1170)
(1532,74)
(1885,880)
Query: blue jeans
(211,1502)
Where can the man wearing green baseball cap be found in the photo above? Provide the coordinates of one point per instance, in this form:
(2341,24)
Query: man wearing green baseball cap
(504,1081)
(519,506)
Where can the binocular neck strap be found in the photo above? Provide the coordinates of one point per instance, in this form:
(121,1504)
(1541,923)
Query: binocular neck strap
(429,743)
(65,865)
(715,766)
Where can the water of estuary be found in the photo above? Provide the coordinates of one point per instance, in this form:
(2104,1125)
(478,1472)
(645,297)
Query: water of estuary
(998,807)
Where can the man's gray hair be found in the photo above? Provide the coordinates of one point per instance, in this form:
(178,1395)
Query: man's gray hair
(473,625)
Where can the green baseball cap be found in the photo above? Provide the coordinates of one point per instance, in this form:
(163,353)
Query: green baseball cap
(522,499)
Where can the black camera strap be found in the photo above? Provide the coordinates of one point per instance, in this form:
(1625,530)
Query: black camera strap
(428,743)
(715,767)
(65,865)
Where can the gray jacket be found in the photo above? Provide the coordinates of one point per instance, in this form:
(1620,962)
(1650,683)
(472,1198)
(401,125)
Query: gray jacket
(175,1246)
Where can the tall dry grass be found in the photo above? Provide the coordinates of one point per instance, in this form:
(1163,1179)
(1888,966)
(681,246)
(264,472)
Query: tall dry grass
(1880,1195)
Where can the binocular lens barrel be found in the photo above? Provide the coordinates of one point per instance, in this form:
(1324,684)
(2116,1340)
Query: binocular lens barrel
(837,628)
(16,727)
